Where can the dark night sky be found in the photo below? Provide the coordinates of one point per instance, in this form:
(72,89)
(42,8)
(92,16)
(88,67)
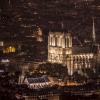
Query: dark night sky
(21,17)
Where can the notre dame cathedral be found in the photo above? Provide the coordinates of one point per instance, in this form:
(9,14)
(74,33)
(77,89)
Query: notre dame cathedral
(61,50)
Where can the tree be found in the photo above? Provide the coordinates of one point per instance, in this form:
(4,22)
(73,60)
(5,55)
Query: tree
(54,70)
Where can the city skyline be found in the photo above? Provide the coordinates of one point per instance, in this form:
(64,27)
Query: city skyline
(49,49)
(26,15)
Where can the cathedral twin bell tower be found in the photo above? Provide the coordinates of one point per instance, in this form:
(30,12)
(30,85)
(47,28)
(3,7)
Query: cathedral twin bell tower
(60,48)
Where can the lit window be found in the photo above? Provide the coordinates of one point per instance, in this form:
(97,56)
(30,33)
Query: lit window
(9,49)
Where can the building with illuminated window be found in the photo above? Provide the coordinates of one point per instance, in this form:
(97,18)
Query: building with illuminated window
(10,49)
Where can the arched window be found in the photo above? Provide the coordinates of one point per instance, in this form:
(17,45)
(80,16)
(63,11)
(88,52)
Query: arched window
(65,42)
(56,44)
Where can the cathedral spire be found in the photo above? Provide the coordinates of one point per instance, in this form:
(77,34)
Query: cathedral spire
(93,32)
(62,26)
(9,2)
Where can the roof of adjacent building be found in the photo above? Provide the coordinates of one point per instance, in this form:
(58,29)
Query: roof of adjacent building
(82,49)
(38,80)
